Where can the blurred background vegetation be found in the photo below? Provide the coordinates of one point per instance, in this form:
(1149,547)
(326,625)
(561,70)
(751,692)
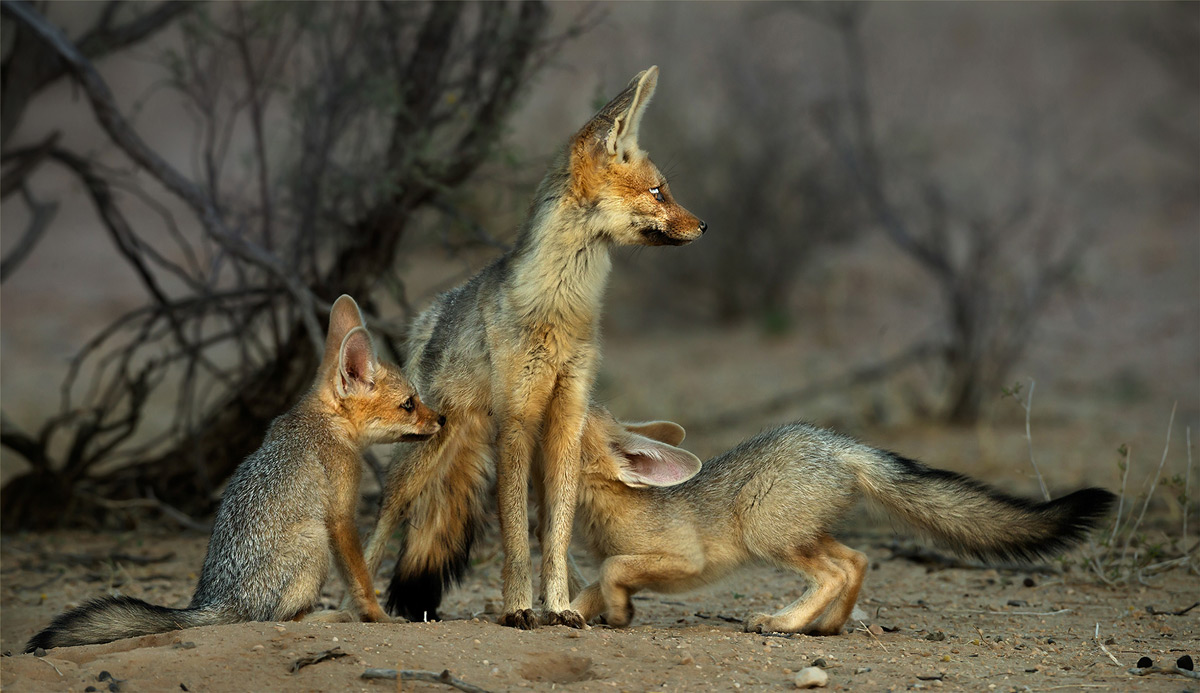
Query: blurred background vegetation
(911,208)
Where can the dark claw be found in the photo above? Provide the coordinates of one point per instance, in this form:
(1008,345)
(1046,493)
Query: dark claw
(524,619)
(570,619)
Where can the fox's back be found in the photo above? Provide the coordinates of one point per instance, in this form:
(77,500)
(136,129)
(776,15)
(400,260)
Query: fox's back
(448,357)
(274,504)
(791,476)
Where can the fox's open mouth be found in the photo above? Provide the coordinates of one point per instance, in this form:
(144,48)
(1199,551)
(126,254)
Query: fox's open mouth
(415,437)
(655,236)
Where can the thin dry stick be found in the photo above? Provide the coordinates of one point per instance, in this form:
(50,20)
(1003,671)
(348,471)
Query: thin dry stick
(1187,485)
(1012,613)
(867,630)
(1153,484)
(1110,654)
(1028,407)
(1120,499)
(426,676)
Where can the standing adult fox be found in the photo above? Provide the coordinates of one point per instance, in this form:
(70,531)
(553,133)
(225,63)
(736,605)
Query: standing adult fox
(662,521)
(286,507)
(510,357)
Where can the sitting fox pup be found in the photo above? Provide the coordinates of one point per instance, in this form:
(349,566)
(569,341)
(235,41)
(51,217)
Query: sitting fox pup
(662,521)
(286,507)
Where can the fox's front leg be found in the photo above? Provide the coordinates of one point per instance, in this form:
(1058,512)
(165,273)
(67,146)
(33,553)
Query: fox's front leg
(512,499)
(622,576)
(347,553)
(589,603)
(560,485)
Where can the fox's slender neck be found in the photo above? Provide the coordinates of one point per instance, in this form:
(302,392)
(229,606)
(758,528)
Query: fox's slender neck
(560,263)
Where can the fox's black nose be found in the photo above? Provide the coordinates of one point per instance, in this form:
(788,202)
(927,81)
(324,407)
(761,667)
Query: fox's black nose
(442,420)
(703,227)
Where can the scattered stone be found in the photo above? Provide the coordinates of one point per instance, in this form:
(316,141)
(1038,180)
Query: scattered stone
(39,652)
(858,614)
(1017,602)
(1029,582)
(937,636)
(820,662)
(189,645)
(811,677)
(103,676)
(90,689)
(862,670)
(687,660)
(114,687)
(875,629)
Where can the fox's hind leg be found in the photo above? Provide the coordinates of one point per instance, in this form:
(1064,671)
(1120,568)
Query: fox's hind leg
(826,580)
(854,563)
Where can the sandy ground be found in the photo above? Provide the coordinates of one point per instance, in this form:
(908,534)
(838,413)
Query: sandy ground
(952,628)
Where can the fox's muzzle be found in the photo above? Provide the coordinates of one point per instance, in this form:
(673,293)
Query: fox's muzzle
(654,236)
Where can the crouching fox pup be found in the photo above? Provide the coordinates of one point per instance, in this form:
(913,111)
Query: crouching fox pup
(510,357)
(662,521)
(287,507)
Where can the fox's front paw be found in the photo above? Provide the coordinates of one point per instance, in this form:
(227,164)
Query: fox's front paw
(524,619)
(618,616)
(763,623)
(571,619)
(375,616)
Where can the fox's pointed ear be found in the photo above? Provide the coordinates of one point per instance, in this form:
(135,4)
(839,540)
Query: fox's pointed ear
(626,112)
(646,462)
(667,432)
(613,131)
(343,317)
(356,363)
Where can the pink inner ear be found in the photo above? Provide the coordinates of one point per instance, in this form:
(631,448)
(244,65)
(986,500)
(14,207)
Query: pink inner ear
(661,466)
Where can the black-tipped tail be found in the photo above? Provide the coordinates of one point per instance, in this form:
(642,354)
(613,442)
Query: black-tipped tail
(113,618)
(972,518)
(417,595)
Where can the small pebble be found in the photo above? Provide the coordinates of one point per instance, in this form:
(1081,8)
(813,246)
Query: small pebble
(39,652)
(103,676)
(1017,602)
(256,648)
(687,660)
(875,629)
(811,677)
(820,662)
(862,670)
(936,637)
(90,689)
(1029,582)
(114,687)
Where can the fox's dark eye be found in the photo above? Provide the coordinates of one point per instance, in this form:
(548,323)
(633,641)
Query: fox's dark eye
(407,405)
(657,195)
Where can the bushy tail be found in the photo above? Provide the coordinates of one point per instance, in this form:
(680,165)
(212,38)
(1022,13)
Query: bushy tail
(112,618)
(972,518)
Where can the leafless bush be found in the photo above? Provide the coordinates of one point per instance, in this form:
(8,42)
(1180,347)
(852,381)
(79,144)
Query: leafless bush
(319,130)
(998,250)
